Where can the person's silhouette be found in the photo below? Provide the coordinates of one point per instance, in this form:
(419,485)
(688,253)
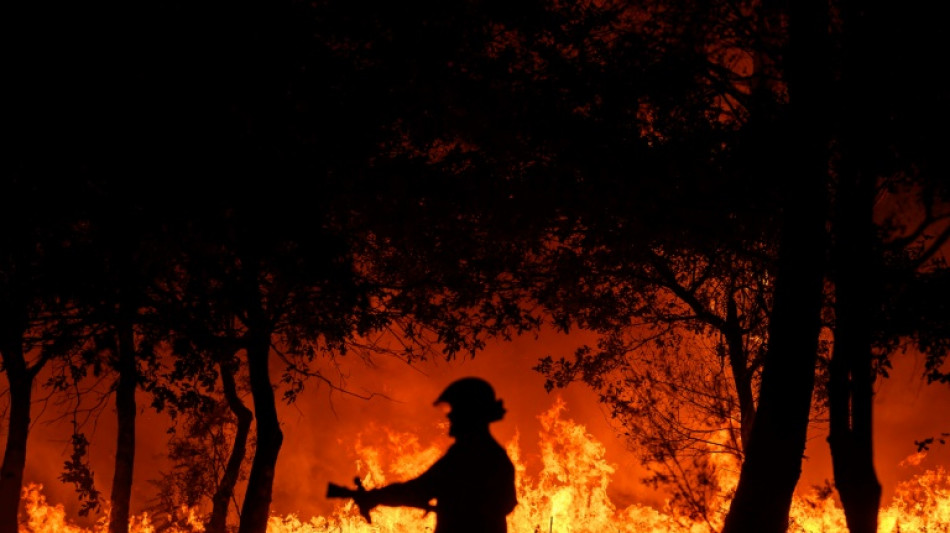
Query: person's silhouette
(473,484)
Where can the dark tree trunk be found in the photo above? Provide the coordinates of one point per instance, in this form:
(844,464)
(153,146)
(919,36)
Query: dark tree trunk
(857,280)
(776,444)
(741,373)
(257,498)
(121,496)
(217,523)
(773,457)
(20,378)
(851,372)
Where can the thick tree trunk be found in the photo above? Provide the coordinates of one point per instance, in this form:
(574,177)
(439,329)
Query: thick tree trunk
(217,523)
(121,496)
(851,371)
(257,498)
(857,286)
(857,279)
(776,444)
(20,379)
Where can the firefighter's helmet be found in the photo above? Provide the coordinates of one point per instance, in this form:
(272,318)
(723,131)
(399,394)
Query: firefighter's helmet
(472,398)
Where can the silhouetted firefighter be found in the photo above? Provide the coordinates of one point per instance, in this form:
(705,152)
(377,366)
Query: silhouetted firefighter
(473,484)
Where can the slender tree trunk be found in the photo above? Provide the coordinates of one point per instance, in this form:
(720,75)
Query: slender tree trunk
(217,523)
(257,498)
(741,374)
(20,379)
(772,465)
(121,495)
(260,484)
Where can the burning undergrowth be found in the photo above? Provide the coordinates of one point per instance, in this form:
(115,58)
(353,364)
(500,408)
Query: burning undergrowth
(566,493)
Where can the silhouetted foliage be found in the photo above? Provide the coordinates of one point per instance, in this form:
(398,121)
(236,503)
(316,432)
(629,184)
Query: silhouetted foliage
(76,471)
(301,180)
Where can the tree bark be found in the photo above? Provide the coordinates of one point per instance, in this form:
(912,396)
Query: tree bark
(217,523)
(772,465)
(121,496)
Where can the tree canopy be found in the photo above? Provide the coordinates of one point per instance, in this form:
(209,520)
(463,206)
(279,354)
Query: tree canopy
(705,184)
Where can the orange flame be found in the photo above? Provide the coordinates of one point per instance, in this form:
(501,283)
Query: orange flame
(42,517)
(567,495)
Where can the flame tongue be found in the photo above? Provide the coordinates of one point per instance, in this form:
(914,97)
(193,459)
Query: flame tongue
(567,495)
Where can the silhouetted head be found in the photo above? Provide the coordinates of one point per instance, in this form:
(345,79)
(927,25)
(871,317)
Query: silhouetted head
(473,405)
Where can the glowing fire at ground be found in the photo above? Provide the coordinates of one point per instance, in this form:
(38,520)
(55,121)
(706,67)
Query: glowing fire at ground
(568,495)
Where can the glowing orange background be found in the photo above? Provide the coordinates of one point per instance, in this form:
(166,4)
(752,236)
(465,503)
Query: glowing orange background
(321,429)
